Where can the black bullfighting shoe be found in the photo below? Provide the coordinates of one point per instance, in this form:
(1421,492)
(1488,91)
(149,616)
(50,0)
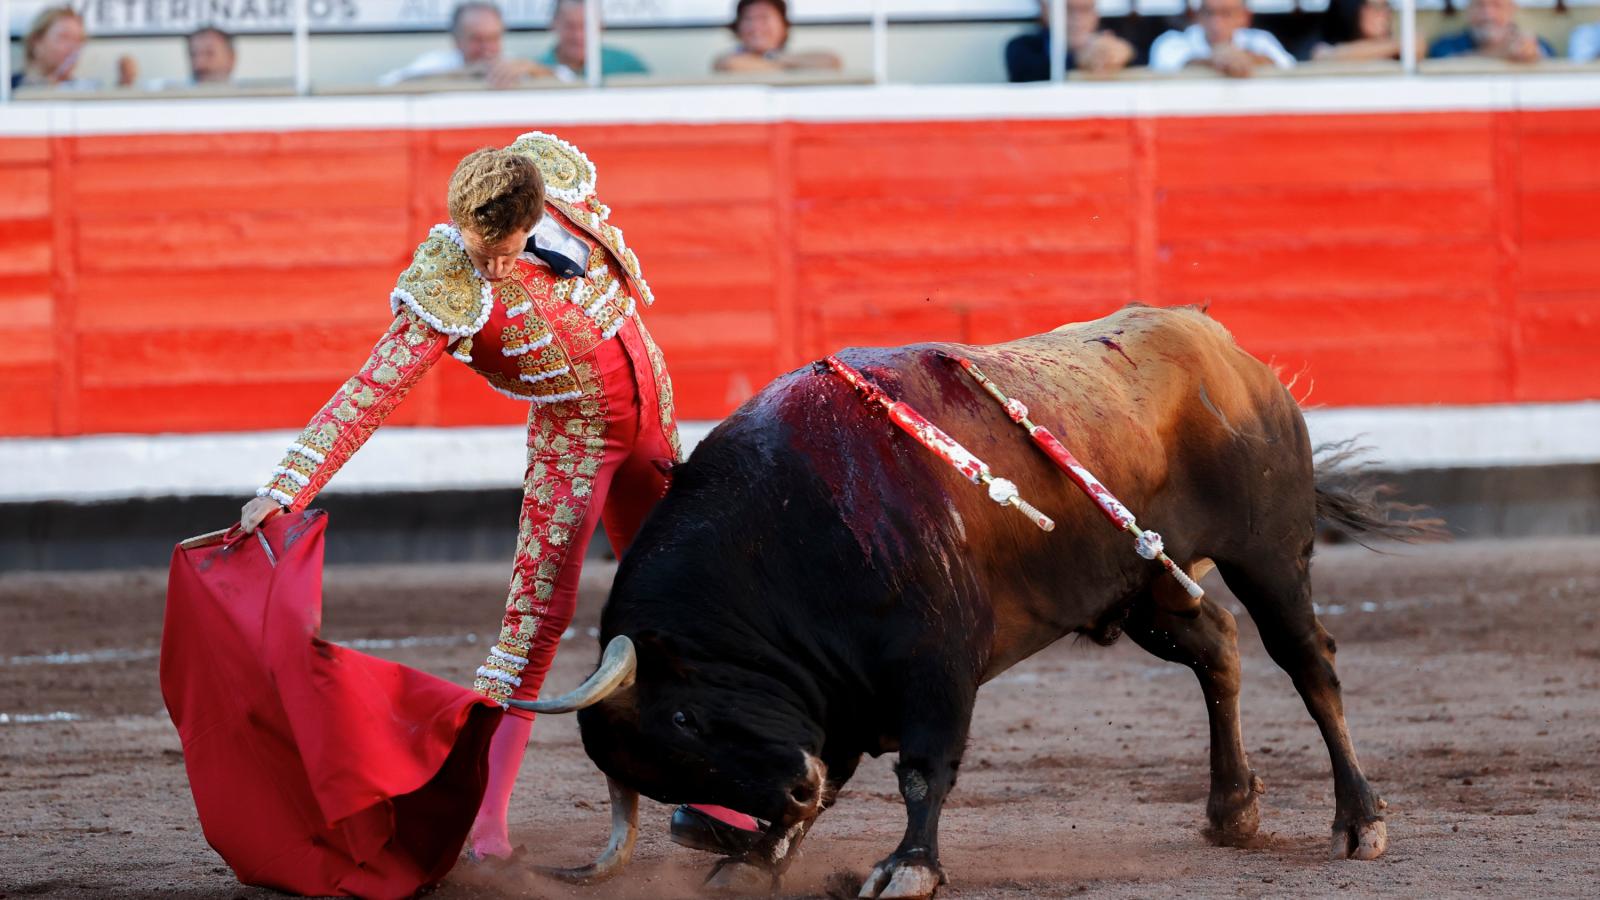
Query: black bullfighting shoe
(694,829)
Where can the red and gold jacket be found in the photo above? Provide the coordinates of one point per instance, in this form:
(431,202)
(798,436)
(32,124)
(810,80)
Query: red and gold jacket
(531,336)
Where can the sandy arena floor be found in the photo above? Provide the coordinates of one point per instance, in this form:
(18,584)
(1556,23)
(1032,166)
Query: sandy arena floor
(1472,682)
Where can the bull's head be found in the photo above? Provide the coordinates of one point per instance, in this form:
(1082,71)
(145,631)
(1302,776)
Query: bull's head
(682,732)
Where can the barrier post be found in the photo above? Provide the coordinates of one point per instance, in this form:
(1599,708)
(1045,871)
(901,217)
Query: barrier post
(592,68)
(1058,41)
(1408,36)
(5,52)
(880,41)
(302,48)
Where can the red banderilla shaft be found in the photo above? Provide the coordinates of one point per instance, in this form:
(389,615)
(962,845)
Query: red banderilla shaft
(1146,543)
(943,445)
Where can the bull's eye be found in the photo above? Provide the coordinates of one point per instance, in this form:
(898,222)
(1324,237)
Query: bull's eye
(683,721)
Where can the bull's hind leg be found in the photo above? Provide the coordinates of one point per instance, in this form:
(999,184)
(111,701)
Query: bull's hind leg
(1207,643)
(1277,592)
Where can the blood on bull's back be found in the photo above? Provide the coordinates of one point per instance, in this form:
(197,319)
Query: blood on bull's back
(1159,404)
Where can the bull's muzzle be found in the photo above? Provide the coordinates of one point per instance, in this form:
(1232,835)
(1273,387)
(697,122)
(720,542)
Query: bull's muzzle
(616,670)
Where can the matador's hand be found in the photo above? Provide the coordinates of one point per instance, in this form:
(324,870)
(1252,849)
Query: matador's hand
(258,510)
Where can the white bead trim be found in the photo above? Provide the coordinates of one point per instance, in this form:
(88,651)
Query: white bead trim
(511,394)
(540,344)
(519,309)
(497,675)
(400,296)
(570,195)
(282,498)
(512,658)
(308,453)
(545,376)
(593,309)
(294,476)
(459,353)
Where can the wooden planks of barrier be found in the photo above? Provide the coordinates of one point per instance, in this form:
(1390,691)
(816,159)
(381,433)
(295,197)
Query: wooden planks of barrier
(216,282)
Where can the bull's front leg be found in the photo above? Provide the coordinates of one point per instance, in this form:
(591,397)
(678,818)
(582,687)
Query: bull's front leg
(930,756)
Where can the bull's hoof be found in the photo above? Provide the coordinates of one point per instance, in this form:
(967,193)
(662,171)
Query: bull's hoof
(902,879)
(1359,839)
(1235,817)
(735,877)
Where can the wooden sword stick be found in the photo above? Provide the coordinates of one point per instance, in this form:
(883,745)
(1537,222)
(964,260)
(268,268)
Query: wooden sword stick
(943,445)
(1146,543)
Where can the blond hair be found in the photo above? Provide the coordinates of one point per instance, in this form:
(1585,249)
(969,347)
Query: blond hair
(495,193)
(41,24)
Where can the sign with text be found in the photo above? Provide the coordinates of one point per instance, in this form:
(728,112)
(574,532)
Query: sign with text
(154,17)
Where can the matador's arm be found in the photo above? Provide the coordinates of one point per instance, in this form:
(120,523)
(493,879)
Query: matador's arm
(337,431)
(439,300)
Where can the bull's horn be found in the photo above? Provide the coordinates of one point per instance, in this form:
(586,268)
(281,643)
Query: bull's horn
(616,670)
(624,832)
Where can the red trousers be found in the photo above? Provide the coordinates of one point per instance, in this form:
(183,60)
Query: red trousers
(591,460)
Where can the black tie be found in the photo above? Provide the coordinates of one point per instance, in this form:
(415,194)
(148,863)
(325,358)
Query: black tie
(564,267)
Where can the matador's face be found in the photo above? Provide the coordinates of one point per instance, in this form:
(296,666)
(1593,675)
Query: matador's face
(495,260)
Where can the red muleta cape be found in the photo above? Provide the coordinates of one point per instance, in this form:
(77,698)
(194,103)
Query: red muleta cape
(315,769)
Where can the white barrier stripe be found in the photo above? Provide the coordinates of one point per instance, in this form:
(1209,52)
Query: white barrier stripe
(1265,95)
(105,467)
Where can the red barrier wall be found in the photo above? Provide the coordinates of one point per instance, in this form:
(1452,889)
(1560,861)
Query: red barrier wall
(230,281)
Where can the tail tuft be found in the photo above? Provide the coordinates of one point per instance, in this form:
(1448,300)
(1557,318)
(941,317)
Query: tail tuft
(1352,502)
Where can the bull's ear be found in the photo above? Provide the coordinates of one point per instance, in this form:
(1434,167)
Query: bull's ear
(660,656)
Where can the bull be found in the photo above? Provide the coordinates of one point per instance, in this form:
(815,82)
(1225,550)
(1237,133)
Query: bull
(816,586)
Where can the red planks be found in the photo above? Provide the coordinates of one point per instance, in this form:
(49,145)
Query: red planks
(216,282)
(1305,151)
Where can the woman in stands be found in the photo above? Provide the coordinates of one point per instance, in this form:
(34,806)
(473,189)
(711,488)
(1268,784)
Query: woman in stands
(1358,31)
(52,48)
(762,27)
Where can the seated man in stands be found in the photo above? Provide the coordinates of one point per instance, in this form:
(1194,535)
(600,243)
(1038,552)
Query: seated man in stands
(51,49)
(762,27)
(1492,32)
(211,56)
(1222,40)
(1583,44)
(478,31)
(1088,48)
(568,56)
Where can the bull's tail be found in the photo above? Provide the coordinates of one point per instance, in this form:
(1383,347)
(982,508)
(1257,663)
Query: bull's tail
(1354,503)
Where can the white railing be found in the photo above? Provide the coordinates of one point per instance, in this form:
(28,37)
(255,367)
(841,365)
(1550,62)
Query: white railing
(878,19)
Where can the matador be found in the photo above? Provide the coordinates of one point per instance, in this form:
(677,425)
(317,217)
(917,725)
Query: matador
(533,287)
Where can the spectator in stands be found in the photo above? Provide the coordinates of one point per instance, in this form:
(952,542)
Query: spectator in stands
(568,56)
(1222,40)
(1357,30)
(211,56)
(1583,44)
(51,50)
(1493,32)
(762,27)
(478,31)
(1088,48)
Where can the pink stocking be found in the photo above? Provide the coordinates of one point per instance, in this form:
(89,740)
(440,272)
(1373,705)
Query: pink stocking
(490,834)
